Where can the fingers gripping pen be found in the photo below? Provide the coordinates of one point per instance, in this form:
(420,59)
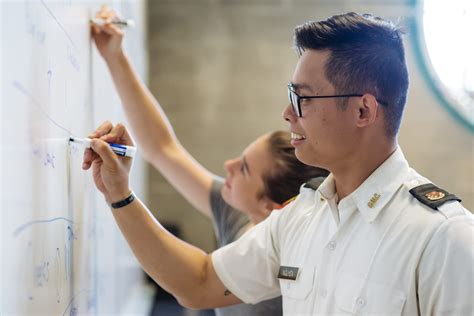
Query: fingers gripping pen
(120,150)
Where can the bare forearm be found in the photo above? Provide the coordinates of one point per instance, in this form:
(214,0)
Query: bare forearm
(156,137)
(177,266)
(182,269)
(150,126)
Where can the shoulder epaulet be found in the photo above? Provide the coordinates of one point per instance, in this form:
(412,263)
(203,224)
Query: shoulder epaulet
(432,196)
(314,183)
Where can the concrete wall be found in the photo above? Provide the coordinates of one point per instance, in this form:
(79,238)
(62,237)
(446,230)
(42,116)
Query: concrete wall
(220,69)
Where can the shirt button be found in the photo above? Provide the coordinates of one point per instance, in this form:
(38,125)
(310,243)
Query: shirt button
(332,245)
(360,302)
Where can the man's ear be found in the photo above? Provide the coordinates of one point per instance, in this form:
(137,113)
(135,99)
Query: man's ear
(368,109)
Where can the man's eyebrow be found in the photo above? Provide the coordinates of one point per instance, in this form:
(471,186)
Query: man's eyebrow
(245,164)
(301,86)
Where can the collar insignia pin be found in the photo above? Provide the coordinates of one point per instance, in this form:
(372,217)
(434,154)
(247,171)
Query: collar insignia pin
(373,200)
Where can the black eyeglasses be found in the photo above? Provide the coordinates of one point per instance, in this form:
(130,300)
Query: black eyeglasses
(295,98)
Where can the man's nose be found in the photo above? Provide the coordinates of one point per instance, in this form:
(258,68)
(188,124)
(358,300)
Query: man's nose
(288,114)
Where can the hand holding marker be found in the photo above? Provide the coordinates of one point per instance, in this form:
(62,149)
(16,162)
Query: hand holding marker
(120,150)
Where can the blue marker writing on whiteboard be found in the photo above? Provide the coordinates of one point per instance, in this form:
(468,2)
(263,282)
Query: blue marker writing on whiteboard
(120,150)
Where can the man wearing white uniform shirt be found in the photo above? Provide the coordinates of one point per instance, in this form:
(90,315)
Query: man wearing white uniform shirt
(375,238)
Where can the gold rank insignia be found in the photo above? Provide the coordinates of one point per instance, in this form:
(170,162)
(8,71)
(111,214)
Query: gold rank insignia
(432,196)
(435,195)
(373,200)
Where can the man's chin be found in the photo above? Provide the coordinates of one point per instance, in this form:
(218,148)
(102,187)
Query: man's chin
(307,158)
(303,156)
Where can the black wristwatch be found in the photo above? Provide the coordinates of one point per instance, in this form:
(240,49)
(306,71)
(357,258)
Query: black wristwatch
(129,199)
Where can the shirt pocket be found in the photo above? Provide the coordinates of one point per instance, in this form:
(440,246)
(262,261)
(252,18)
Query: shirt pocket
(357,296)
(300,288)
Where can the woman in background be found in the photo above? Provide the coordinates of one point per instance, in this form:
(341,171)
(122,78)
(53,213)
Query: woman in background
(265,177)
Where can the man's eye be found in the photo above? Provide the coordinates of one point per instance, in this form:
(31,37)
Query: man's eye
(242,168)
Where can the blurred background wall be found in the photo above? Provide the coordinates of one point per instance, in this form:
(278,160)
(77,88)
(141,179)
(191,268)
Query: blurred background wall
(220,69)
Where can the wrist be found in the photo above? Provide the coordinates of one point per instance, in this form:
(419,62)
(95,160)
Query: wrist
(115,197)
(122,203)
(115,57)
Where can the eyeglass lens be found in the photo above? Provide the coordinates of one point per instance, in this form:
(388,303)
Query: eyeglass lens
(293,98)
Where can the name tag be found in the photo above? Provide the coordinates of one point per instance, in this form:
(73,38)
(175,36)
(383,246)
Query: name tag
(288,273)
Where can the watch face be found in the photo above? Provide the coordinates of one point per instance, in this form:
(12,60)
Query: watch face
(446,46)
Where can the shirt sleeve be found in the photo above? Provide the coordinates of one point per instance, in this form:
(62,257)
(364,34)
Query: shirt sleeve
(249,266)
(228,222)
(445,274)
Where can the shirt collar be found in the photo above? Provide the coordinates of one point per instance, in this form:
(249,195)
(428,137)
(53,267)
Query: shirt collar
(377,190)
(327,190)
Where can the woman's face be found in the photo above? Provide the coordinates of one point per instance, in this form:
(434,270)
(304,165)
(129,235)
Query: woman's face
(244,180)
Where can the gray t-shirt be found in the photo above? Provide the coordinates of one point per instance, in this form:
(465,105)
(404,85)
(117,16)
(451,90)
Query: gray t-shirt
(229,225)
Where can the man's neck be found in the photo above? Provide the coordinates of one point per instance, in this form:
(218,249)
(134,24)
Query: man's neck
(354,171)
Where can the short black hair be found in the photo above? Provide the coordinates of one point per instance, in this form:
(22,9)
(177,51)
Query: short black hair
(367,56)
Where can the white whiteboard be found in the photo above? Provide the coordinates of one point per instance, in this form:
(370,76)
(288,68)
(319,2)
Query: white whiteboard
(61,251)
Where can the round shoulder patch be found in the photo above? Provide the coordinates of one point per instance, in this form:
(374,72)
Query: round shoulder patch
(435,195)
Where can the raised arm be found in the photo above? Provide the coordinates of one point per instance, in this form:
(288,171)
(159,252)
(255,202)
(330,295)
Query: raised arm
(183,270)
(150,126)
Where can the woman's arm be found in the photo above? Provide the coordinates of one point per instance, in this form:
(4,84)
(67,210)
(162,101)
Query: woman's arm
(150,126)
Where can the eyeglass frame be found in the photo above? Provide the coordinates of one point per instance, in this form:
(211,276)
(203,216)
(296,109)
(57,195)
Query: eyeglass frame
(297,108)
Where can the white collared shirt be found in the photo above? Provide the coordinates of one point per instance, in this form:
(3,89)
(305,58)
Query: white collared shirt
(378,252)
